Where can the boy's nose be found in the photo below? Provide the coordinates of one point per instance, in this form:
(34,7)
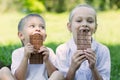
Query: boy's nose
(37,29)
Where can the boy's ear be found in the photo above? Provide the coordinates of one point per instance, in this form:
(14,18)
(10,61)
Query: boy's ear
(20,35)
(69,26)
(45,37)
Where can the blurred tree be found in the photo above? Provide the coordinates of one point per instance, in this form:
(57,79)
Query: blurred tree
(23,5)
(32,6)
(54,5)
(60,7)
(115,4)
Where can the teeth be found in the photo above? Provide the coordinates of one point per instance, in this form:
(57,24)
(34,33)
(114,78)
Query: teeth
(84,30)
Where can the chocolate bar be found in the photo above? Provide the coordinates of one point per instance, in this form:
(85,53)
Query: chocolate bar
(37,41)
(83,39)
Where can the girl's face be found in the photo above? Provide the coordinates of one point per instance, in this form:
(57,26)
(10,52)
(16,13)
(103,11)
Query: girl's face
(33,25)
(83,17)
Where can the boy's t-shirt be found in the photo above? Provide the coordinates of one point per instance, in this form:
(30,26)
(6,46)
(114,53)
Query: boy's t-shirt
(34,71)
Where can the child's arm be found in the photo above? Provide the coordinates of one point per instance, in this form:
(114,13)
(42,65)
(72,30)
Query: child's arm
(21,71)
(91,57)
(77,60)
(49,66)
(5,74)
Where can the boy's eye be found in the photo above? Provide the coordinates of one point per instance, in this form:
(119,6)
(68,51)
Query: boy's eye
(42,26)
(32,26)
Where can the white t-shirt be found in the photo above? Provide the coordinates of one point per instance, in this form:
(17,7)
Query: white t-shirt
(65,51)
(35,71)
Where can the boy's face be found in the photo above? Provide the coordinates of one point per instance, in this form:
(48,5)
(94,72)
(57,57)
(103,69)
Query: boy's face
(33,25)
(83,17)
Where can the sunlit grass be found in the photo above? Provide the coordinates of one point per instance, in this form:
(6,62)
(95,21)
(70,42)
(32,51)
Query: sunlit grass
(107,32)
(108,27)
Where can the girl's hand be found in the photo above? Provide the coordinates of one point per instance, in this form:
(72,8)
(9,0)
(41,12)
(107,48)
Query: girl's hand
(29,49)
(91,57)
(45,53)
(77,59)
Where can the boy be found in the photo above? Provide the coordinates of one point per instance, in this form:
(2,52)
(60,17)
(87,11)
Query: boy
(21,67)
(83,64)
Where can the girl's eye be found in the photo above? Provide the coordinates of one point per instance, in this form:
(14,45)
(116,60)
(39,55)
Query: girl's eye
(78,20)
(90,21)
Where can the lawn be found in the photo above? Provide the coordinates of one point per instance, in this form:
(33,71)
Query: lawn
(57,33)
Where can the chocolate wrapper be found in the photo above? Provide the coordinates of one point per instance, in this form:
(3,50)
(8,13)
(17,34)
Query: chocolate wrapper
(83,39)
(37,41)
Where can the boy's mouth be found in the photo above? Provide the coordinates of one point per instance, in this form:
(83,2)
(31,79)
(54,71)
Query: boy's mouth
(35,33)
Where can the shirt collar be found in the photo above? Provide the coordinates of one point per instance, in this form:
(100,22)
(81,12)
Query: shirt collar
(73,46)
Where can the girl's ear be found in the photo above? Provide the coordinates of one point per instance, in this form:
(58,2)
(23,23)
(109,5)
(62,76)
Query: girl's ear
(21,36)
(95,27)
(69,26)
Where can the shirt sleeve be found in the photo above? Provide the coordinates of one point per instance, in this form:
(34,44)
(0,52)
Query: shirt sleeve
(104,63)
(52,56)
(61,59)
(16,59)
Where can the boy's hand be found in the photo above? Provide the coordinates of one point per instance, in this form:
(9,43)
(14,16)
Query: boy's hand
(91,57)
(28,50)
(77,60)
(45,53)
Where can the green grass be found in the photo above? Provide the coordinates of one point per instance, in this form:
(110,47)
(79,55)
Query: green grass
(57,33)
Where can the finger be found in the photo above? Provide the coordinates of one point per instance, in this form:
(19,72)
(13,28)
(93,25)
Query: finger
(28,44)
(90,57)
(79,59)
(90,51)
(42,50)
(78,53)
(45,53)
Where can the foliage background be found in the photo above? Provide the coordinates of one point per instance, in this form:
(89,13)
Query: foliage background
(56,13)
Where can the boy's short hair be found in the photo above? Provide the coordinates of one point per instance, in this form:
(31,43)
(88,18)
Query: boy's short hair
(23,20)
(80,5)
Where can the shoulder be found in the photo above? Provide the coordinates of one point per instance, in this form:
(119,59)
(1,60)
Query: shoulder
(18,50)
(50,50)
(62,47)
(102,47)
(62,50)
(102,51)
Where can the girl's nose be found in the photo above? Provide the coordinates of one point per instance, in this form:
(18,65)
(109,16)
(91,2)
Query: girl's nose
(84,24)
